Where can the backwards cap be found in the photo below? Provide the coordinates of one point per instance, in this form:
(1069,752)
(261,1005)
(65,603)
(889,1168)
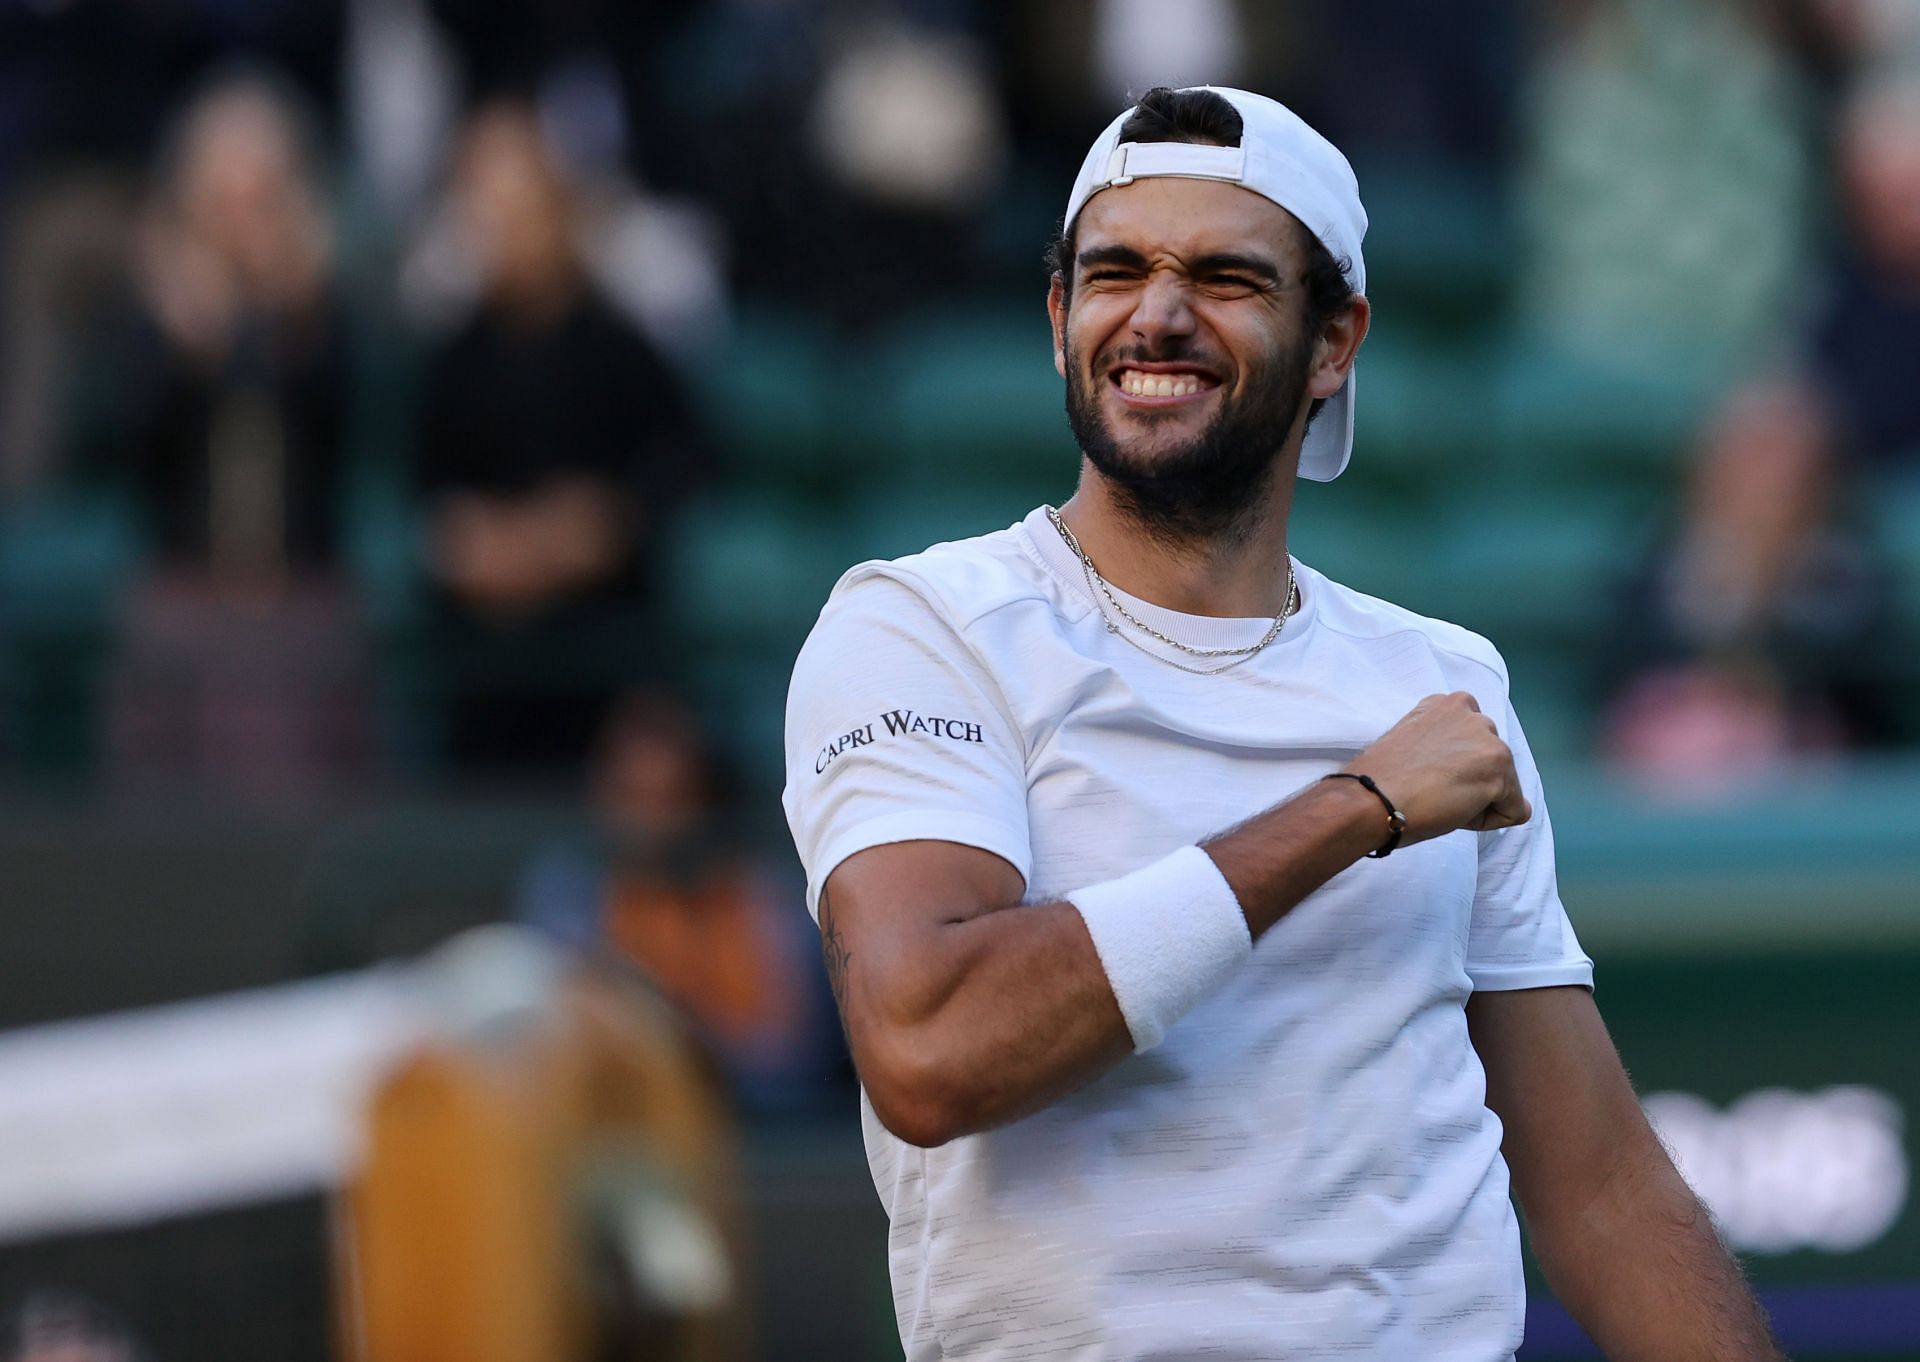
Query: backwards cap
(1282,159)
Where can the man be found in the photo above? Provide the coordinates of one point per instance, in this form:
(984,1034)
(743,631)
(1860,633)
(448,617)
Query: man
(547,469)
(1177,1038)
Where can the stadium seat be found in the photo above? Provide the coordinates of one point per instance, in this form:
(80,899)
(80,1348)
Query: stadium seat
(1536,566)
(905,517)
(1559,417)
(769,398)
(1891,506)
(65,563)
(1439,251)
(748,575)
(1362,533)
(972,397)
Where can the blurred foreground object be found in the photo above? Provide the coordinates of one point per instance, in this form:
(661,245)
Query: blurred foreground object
(519,1160)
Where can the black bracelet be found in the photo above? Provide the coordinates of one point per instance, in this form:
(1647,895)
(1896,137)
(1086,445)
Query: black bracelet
(1396,821)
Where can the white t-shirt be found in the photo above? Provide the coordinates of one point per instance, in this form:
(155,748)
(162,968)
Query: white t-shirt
(1305,1167)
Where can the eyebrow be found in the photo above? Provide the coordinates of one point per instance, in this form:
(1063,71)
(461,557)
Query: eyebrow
(1231,262)
(1214,262)
(1111,255)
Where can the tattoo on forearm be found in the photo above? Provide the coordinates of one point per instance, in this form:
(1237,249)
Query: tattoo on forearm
(833,948)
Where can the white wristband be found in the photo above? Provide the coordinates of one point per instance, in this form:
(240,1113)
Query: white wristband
(1167,934)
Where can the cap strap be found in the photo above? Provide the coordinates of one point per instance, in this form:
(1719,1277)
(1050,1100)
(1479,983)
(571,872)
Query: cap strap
(1134,160)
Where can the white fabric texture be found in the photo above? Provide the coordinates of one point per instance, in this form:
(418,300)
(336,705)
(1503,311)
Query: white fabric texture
(1305,1167)
(1167,935)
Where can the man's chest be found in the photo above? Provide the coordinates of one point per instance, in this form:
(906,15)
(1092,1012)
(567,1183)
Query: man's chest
(1127,774)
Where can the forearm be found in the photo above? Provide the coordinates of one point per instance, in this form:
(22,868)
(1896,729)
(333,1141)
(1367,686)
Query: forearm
(1643,1270)
(1276,859)
(1002,1013)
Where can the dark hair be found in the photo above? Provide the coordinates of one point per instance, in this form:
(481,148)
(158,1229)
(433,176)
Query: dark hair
(1163,114)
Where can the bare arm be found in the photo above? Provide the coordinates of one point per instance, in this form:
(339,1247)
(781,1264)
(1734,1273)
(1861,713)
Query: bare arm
(964,1011)
(1629,1249)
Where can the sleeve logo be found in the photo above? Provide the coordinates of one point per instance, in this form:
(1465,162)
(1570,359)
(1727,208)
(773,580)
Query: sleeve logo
(897,723)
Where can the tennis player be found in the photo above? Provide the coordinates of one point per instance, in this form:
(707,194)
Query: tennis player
(1192,916)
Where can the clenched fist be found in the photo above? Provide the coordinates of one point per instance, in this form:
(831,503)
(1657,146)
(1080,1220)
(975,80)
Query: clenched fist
(1445,767)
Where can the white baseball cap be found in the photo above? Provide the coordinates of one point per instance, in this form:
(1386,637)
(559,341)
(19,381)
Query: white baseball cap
(1280,158)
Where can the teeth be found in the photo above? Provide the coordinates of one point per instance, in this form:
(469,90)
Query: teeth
(1137,384)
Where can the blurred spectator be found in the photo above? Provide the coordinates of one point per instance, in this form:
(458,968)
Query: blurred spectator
(1667,184)
(555,446)
(224,400)
(1863,33)
(669,885)
(86,86)
(1766,613)
(875,136)
(237,444)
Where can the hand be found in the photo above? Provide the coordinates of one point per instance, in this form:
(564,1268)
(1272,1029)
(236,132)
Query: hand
(1445,767)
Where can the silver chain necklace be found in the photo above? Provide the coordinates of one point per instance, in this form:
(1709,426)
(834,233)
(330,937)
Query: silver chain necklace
(1097,587)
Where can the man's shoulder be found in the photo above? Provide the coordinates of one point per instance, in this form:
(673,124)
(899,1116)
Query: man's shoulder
(1372,619)
(961,579)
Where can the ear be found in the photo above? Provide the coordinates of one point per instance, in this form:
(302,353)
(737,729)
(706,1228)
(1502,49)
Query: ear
(1057,314)
(1338,346)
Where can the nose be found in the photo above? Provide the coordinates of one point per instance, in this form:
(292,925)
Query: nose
(1162,310)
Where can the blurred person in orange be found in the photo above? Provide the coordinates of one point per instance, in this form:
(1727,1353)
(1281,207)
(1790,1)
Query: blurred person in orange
(1765,620)
(669,885)
(555,444)
(223,396)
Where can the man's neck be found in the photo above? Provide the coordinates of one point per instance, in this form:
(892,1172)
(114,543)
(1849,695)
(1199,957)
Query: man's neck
(1239,574)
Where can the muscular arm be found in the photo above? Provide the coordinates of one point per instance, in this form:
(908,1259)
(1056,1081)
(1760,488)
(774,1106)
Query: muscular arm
(964,1010)
(1629,1249)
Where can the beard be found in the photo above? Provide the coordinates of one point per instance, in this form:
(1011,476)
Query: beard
(1211,486)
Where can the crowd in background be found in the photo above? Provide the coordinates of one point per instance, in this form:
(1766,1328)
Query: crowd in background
(281,275)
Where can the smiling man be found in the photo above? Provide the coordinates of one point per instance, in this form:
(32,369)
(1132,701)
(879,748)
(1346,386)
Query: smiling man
(1195,930)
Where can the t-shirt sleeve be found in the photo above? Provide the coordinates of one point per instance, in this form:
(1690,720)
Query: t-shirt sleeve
(897,733)
(1520,937)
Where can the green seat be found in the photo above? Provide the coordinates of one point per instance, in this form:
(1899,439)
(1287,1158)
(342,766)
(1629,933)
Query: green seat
(1537,567)
(1423,414)
(1439,249)
(65,564)
(747,575)
(747,568)
(1556,417)
(380,541)
(64,561)
(905,516)
(1557,695)
(1891,503)
(1373,544)
(974,398)
(769,397)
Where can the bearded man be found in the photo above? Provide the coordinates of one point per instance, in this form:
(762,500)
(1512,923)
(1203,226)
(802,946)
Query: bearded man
(1193,917)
